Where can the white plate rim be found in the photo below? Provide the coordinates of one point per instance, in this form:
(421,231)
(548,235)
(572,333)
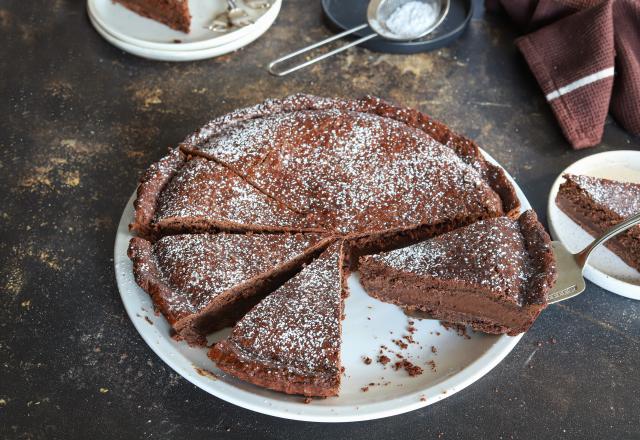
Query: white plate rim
(176,56)
(266,19)
(451,385)
(593,274)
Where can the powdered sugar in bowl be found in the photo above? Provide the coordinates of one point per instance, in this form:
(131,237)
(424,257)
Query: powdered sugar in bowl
(399,20)
(406,19)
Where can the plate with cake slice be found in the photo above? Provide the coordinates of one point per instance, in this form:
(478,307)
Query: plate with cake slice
(178,29)
(330,259)
(590,196)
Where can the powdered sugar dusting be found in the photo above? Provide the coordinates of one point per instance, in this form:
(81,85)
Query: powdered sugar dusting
(359,171)
(198,267)
(490,254)
(298,326)
(207,190)
(621,198)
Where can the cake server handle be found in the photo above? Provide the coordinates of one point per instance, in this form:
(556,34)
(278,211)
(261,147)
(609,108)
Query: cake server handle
(582,256)
(272,66)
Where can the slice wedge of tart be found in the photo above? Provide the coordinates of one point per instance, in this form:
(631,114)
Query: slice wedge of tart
(204,282)
(597,204)
(205,196)
(183,195)
(290,341)
(493,275)
(172,13)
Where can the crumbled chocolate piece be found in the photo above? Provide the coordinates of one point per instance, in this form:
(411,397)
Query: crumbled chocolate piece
(400,343)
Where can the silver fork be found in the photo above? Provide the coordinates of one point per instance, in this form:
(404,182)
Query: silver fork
(232,17)
(570,281)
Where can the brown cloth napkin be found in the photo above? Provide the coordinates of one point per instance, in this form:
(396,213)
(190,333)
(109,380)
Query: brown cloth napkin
(585,55)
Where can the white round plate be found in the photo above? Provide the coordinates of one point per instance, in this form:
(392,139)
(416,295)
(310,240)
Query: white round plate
(604,268)
(458,361)
(176,55)
(136,30)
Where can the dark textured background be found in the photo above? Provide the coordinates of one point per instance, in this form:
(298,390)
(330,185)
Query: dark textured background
(80,120)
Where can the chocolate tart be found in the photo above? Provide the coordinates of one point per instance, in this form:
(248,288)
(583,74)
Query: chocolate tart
(493,275)
(204,282)
(172,13)
(598,204)
(281,177)
(290,341)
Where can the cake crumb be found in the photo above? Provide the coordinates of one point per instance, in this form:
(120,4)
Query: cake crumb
(410,368)
(400,343)
(432,364)
(409,339)
(205,373)
(434,349)
(367,360)
(307,400)
(423,399)
(146,318)
(384,360)
(460,329)
(364,389)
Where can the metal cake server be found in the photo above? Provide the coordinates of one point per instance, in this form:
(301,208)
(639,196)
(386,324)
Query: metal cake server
(570,281)
(378,12)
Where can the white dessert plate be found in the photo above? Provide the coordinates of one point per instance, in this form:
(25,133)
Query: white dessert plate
(459,361)
(136,30)
(179,55)
(604,268)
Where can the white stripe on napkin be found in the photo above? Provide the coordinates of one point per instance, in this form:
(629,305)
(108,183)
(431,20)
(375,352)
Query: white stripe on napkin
(604,73)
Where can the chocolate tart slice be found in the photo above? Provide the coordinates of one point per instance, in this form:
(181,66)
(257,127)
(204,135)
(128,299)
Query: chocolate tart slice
(598,204)
(205,196)
(172,13)
(204,282)
(290,341)
(178,195)
(493,275)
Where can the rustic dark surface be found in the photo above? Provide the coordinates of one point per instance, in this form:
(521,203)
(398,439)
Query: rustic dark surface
(79,122)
